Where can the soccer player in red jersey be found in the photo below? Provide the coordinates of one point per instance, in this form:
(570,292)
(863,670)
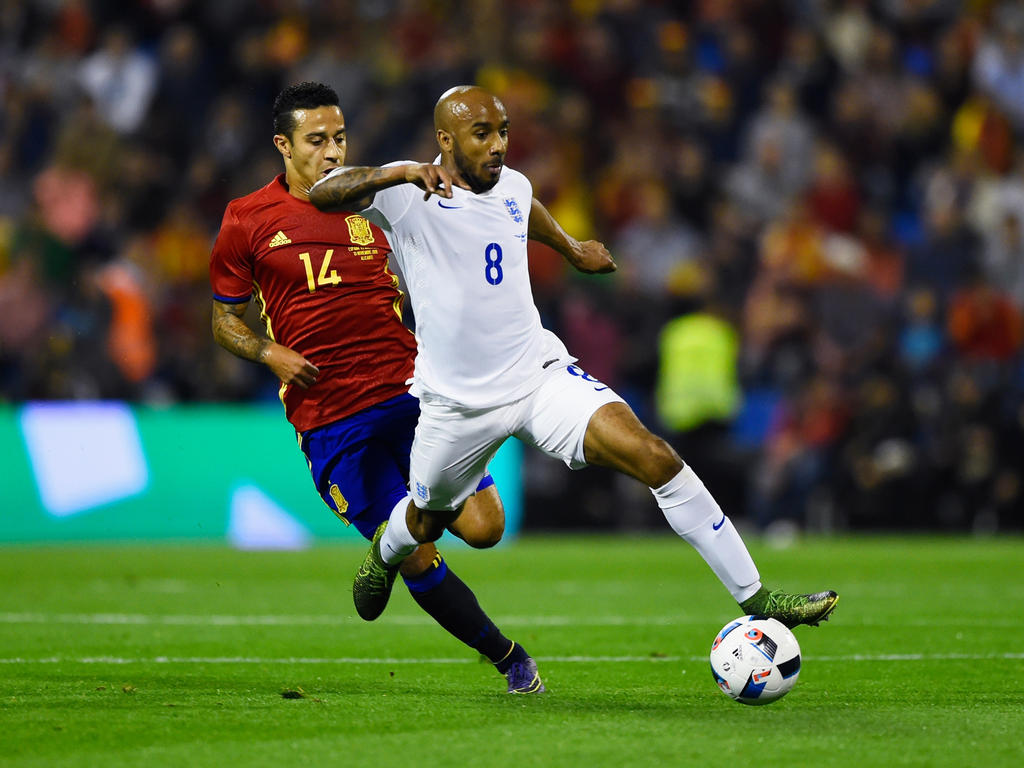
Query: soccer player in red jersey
(335,340)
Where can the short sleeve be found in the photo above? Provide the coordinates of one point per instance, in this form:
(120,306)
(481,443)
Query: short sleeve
(390,205)
(231,261)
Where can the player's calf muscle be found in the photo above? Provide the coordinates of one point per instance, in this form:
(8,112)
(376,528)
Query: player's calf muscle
(481,523)
(479,533)
(419,561)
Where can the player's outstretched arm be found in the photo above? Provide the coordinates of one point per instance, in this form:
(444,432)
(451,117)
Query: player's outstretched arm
(588,256)
(231,332)
(352,188)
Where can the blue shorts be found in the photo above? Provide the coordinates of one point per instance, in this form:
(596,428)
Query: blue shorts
(360,464)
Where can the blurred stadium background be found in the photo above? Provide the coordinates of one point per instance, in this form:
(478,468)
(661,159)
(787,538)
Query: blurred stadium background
(817,207)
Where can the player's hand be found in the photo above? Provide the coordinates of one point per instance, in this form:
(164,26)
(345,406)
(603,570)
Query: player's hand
(289,366)
(432,178)
(592,257)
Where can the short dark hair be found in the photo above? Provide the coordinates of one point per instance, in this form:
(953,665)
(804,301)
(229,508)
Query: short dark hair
(306,95)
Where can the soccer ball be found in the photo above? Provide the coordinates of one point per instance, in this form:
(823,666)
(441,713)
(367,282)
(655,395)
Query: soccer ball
(755,660)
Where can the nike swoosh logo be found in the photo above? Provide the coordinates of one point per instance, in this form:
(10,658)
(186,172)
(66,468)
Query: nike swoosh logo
(449,207)
(719,524)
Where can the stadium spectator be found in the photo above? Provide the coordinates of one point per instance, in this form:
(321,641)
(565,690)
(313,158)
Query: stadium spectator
(983,322)
(121,79)
(832,197)
(656,246)
(999,61)
(1004,257)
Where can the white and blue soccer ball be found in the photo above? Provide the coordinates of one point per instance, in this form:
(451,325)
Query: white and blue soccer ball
(755,660)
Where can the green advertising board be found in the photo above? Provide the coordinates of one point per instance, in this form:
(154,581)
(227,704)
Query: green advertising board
(107,471)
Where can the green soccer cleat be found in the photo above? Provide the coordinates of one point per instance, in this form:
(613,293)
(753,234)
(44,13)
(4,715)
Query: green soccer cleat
(791,610)
(372,586)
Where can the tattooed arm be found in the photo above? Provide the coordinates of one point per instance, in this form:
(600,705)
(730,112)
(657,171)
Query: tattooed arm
(231,332)
(352,189)
(588,256)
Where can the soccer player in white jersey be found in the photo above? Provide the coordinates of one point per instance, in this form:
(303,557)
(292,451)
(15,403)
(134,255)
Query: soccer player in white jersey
(487,370)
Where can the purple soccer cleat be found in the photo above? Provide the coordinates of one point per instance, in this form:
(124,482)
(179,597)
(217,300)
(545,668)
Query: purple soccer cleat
(523,678)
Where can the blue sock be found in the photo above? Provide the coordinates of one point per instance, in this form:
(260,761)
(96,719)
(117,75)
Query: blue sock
(452,604)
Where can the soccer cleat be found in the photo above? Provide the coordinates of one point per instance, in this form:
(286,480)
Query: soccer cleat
(791,610)
(372,586)
(523,677)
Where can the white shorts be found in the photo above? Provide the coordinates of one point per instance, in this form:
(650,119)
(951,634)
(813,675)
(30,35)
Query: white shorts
(453,445)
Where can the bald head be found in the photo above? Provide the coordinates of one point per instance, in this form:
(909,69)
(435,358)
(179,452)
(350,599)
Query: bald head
(463,103)
(472,131)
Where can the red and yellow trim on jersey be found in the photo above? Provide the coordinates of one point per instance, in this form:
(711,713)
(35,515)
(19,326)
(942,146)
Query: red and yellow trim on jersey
(261,302)
(400,298)
(257,293)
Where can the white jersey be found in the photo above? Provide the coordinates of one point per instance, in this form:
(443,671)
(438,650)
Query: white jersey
(479,338)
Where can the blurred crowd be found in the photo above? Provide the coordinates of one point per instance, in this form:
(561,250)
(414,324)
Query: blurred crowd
(817,207)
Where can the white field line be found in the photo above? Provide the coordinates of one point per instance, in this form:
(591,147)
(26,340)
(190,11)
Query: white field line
(115,660)
(215,620)
(284,620)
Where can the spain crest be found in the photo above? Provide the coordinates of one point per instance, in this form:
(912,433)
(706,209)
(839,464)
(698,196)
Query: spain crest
(359,230)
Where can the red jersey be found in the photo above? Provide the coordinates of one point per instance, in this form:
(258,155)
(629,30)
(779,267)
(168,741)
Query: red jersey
(324,289)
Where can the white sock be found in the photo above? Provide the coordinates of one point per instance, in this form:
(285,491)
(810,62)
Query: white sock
(695,515)
(397,542)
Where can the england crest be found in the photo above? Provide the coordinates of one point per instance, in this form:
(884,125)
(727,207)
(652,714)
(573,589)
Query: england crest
(513,210)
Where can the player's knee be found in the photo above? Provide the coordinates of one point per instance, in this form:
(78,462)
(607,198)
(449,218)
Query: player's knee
(429,524)
(657,462)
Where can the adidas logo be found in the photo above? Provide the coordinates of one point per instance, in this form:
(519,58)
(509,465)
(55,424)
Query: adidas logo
(279,239)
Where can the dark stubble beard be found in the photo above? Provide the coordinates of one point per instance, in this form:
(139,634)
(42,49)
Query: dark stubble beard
(465,169)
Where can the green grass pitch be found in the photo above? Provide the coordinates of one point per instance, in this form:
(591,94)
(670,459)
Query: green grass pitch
(179,656)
